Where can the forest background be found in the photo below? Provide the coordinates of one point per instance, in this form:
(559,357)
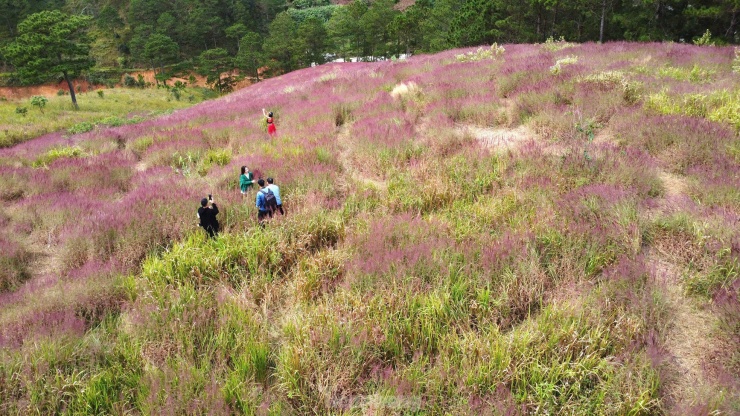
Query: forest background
(177,36)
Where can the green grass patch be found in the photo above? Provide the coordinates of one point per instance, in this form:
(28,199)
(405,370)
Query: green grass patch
(58,114)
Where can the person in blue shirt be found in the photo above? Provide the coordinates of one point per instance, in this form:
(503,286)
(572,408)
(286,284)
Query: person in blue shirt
(276,190)
(263,211)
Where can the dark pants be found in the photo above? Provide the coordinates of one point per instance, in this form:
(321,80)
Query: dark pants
(211,230)
(261,215)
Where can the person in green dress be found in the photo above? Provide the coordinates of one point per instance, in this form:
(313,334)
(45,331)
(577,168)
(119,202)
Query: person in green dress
(246,180)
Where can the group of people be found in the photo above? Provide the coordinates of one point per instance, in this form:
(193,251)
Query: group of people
(268,200)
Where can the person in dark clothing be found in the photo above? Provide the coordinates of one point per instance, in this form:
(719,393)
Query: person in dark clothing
(276,190)
(207,215)
(263,210)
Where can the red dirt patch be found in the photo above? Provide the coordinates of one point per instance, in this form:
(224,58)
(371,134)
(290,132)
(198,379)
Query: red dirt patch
(19,93)
(16,93)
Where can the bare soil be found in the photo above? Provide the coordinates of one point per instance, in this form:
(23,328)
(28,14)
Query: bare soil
(19,93)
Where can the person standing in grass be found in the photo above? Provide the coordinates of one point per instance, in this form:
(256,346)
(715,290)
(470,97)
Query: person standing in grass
(276,190)
(263,207)
(207,215)
(246,180)
(271,129)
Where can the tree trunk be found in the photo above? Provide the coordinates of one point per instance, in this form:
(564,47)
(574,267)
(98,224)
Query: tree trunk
(603,17)
(731,29)
(71,90)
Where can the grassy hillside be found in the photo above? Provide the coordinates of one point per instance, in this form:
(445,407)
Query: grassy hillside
(20,120)
(545,229)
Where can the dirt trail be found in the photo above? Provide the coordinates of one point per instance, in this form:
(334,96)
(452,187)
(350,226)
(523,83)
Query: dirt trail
(688,336)
(502,138)
(688,339)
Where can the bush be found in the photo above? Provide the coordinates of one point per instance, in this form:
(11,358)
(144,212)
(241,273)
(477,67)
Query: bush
(481,53)
(101,93)
(82,127)
(129,81)
(56,153)
(21,110)
(39,101)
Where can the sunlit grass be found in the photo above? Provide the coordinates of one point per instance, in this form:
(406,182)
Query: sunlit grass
(116,104)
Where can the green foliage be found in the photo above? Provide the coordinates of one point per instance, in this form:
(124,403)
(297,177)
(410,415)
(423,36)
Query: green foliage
(631,90)
(81,127)
(279,45)
(39,101)
(160,49)
(219,157)
(58,152)
(250,57)
(212,64)
(719,106)
(50,43)
(695,74)
(320,13)
(21,111)
(305,4)
(558,67)
(101,93)
(553,45)
(705,39)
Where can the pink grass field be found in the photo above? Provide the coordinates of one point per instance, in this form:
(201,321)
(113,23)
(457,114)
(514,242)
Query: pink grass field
(462,236)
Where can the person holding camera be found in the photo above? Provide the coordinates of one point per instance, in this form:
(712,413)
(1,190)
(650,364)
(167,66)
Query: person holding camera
(207,215)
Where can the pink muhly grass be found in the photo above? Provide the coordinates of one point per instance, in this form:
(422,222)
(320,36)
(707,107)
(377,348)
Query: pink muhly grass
(31,149)
(14,259)
(399,244)
(40,324)
(382,131)
(506,250)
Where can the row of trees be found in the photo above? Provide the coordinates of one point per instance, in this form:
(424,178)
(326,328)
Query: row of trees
(287,34)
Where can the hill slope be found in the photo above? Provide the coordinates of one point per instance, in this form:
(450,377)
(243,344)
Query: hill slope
(545,229)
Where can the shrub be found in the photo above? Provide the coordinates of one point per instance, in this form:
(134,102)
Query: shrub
(82,127)
(62,92)
(553,45)
(705,39)
(56,153)
(568,60)
(22,111)
(39,101)
(129,81)
(101,93)
(220,157)
(481,53)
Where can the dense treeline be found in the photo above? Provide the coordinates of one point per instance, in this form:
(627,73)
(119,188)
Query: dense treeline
(285,35)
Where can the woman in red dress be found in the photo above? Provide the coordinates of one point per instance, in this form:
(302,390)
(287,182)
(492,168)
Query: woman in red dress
(271,130)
